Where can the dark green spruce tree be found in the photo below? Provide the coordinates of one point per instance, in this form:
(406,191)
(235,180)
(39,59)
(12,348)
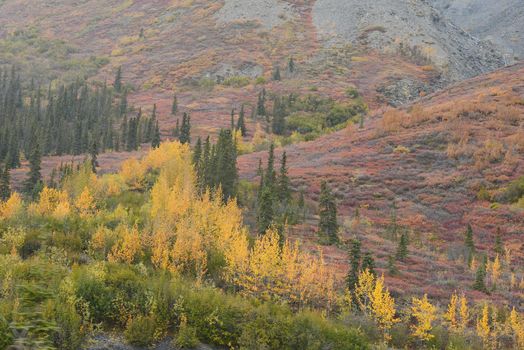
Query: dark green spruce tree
(354,264)
(368,263)
(5,183)
(155,139)
(241,122)
(185,129)
(328,226)
(33,182)
(284,191)
(93,153)
(480,276)
(402,248)
(118,80)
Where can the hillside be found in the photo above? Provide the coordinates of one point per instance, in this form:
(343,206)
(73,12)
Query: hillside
(430,160)
(499,22)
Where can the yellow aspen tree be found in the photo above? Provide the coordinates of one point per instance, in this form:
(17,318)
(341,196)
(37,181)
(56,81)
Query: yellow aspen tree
(507,256)
(188,254)
(464,313)
(496,269)
(483,326)
(12,208)
(363,289)
(425,313)
(13,239)
(85,204)
(383,307)
(128,247)
(48,201)
(451,313)
(517,326)
(63,208)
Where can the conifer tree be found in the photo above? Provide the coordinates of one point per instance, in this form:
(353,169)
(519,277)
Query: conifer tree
(499,246)
(392,267)
(174,106)
(197,152)
(276,74)
(265,210)
(232,123)
(155,139)
(480,276)
(241,123)
(328,226)
(261,103)
(402,249)
(94,156)
(185,129)
(270,175)
(354,264)
(5,183)
(118,80)
(284,192)
(291,65)
(470,245)
(123,103)
(176,130)
(368,263)
(33,183)
(226,164)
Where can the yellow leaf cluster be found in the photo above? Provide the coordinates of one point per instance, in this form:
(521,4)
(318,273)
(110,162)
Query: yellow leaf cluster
(128,246)
(53,203)
(11,208)
(483,325)
(383,307)
(424,313)
(85,204)
(274,271)
(457,314)
(517,326)
(13,239)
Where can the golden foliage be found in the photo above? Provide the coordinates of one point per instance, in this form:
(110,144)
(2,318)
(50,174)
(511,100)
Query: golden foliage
(128,247)
(496,269)
(517,326)
(282,272)
(424,313)
(13,239)
(11,208)
(451,313)
(464,313)
(383,307)
(85,204)
(483,325)
(54,203)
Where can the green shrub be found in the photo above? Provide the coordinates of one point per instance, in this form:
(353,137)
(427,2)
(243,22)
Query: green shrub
(186,337)
(6,336)
(236,81)
(260,80)
(513,192)
(140,331)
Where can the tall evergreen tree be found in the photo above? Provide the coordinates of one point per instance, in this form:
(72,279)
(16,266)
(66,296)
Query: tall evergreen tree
(354,264)
(284,192)
(94,156)
(270,175)
(265,211)
(402,249)
(5,183)
(241,123)
(123,103)
(276,74)
(232,123)
(291,65)
(261,103)
(174,105)
(33,183)
(185,129)
(499,246)
(118,80)
(368,263)
(328,226)
(480,276)
(226,164)
(155,139)
(197,152)
(468,241)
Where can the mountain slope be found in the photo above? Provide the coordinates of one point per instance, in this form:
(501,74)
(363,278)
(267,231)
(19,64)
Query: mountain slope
(432,161)
(501,22)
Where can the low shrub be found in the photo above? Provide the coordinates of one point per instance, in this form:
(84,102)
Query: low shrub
(140,331)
